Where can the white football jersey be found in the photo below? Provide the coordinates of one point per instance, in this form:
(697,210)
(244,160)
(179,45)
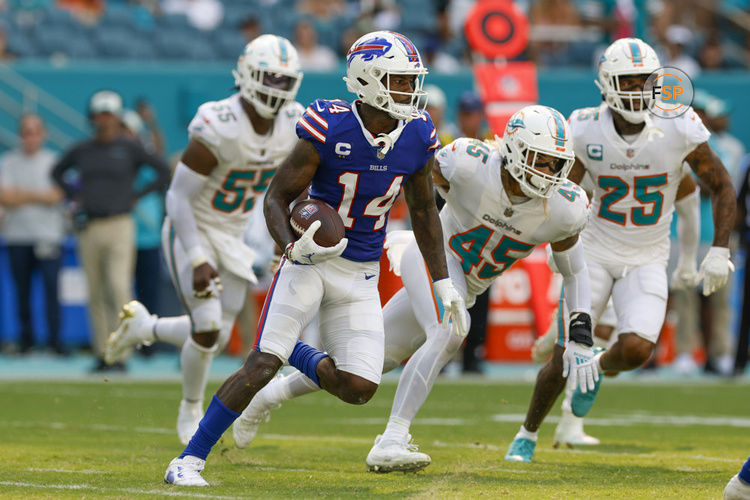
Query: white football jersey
(483,229)
(635,184)
(246,161)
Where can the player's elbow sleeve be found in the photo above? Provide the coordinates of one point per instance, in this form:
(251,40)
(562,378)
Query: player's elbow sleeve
(572,266)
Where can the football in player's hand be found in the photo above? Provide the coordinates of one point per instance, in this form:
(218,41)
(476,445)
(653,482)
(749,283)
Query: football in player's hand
(306,212)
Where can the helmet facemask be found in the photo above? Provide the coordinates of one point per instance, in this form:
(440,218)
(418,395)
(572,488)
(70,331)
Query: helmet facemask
(631,104)
(525,167)
(267,90)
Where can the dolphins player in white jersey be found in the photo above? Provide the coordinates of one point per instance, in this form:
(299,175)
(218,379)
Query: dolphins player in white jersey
(502,200)
(235,147)
(636,162)
(569,431)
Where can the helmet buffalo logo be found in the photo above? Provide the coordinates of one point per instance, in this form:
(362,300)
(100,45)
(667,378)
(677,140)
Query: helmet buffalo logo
(369,49)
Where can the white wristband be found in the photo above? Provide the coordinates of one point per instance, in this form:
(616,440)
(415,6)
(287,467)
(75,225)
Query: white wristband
(196,257)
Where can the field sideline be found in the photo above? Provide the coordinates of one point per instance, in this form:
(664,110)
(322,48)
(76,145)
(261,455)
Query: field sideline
(114,439)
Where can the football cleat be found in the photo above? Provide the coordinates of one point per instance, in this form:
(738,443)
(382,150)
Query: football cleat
(570,433)
(188,418)
(581,403)
(185,472)
(135,328)
(521,450)
(393,456)
(737,489)
(245,427)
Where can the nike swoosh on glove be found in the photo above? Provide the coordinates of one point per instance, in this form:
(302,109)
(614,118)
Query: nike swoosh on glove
(715,269)
(305,251)
(453,306)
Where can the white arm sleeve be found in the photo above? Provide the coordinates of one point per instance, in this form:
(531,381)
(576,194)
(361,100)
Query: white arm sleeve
(186,184)
(688,227)
(572,266)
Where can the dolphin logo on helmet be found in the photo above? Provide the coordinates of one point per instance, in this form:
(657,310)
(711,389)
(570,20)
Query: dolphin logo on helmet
(532,133)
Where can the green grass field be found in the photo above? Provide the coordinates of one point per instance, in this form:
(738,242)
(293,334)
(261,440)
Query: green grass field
(114,439)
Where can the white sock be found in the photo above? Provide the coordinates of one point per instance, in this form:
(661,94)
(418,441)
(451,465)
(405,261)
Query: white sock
(396,430)
(174,330)
(196,361)
(526,434)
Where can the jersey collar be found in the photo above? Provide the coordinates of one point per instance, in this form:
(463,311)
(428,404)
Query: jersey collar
(629,150)
(372,139)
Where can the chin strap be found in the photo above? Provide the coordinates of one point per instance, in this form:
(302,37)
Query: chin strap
(385,142)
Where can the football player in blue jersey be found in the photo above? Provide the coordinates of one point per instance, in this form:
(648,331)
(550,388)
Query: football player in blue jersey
(356,157)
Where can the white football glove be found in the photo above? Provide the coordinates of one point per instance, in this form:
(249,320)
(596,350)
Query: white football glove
(715,269)
(579,366)
(305,251)
(453,306)
(685,276)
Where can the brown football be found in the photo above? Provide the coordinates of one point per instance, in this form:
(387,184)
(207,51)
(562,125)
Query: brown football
(306,212)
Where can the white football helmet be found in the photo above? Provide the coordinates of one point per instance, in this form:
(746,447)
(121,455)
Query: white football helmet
(372,60)
(268,74)
(626,56)
(533,131)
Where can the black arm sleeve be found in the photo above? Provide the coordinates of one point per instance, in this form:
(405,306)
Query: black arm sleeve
(62,166)
(159,164)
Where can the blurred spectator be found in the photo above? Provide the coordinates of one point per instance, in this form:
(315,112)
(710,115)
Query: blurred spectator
(5,54)
(436,108)
(710,314)
(33,226)
(148,212)
(251,28)
(321,9)
(678,38)
(554,23)
(712,54)
(471,117)
(206,15)
(107,165)
(438,60)
(377,15)
(86,11)
(312,56)
(151,134)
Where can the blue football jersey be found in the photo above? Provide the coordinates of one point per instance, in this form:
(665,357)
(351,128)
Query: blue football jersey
(355,177)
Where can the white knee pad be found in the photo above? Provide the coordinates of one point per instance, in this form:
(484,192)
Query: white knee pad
(206,317)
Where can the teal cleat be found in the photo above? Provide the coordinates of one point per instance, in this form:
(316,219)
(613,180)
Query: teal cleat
(581,403)
(521,450)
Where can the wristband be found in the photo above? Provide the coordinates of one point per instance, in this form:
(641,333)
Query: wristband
(196,257)
(579,330)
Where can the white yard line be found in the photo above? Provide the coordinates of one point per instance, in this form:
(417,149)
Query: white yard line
(52,469)
(139,491)
(643,419)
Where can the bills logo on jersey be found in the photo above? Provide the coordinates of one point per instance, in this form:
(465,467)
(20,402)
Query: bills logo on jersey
(308,211)
(369,49)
